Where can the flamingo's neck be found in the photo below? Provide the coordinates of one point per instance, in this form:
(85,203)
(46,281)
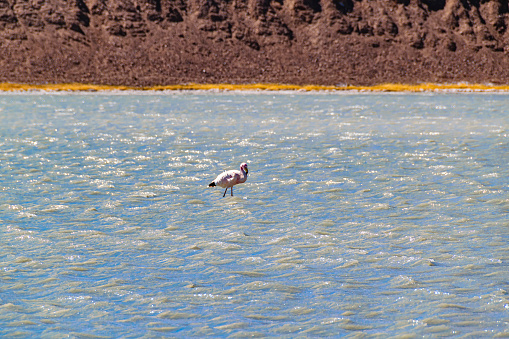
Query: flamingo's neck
(243,174)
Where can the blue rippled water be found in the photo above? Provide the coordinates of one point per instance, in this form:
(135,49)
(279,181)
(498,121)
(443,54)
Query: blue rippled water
(371,215)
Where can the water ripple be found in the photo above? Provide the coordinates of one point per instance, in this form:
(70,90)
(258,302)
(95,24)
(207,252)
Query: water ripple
(377,215)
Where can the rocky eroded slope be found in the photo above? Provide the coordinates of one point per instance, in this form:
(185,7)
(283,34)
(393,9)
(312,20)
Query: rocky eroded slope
(151,42)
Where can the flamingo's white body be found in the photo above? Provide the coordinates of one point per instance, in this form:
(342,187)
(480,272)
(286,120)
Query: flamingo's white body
(231,178)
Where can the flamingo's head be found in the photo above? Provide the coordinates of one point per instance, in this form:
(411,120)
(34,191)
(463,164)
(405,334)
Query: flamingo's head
(243,167)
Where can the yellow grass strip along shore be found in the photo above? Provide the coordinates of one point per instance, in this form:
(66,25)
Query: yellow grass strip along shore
(425,87)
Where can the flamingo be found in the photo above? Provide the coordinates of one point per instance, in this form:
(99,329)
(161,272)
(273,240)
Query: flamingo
(230,178)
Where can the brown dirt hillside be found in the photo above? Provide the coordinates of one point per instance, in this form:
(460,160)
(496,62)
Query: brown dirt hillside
(329,42)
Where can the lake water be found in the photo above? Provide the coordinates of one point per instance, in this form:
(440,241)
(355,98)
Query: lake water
(363,215)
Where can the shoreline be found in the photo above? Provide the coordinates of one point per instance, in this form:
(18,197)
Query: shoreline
(388,87)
